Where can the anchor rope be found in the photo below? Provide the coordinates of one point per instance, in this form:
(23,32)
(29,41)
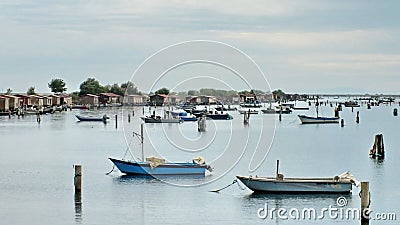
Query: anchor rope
(218,190)
(126,152)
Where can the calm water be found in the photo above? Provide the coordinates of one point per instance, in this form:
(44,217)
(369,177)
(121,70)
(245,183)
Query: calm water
(37,175)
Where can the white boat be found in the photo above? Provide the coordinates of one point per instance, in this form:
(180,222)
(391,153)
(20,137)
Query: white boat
(158,119)
(317,119)
(310,119)
(334,185)
(249,110)
(279,184)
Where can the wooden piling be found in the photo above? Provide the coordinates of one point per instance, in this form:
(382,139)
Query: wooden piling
(336,112)
(395,112)
(342,122)
(378,149)
(133,113)
(358,117)
(365,202)
(78,178)
(143,110)
(245,118)
(116,121)
(129,118)
(368,106)
(142,138)
(201,124)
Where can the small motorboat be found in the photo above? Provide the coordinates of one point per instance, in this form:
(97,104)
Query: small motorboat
(89,118)
(158,119)
(311,119)
(279,184)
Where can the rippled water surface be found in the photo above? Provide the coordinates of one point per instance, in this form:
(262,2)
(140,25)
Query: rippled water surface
(37,167)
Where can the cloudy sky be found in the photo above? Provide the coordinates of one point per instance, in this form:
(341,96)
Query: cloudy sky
(344,46)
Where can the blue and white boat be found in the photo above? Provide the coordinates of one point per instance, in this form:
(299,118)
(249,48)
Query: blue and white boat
(183,115)
(159,166)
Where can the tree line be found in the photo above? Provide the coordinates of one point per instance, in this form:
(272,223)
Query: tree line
(93,86)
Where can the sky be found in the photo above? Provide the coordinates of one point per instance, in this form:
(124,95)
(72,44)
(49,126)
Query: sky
(343,46)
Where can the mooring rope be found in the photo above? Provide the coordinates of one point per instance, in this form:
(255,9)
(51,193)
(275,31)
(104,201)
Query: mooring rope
(218,190)
(111,170)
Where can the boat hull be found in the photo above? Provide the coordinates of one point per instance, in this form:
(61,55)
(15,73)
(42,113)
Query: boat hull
(308,119)
(160,120)
(80,118)
(296,185)
(144,168)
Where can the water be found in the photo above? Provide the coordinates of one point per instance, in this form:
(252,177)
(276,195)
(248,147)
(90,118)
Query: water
(37,175)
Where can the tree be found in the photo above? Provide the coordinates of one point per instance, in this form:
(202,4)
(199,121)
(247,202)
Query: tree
(279,94)
(163,91)
(57,85)
(129,88)
(9,91)
(116,89)
(91,86)
(31,90)
(192,92)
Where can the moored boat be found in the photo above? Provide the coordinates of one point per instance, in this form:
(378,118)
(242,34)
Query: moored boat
(311,119)
(89,118)
(333,185)
(160,167)
(158,119)
(351,104)
(279,184)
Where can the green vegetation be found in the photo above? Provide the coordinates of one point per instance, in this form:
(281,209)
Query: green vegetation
(57,86)
(116,89)
(279,94)
(130,89)
(163,91)
(91,86)
(31,91)
(9,91)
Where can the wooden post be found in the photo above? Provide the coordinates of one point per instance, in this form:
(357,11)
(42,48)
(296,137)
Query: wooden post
(395,112)
(142,139)
(277,170)
(245,118)
(342,122)
(336,112)
(358,117)
(352,109)
(143,110)
(116,121)
(78,178)
(378,150)
(201,124)
(129,118)
(365,201)
(133,113)
(368,106)
(38,119)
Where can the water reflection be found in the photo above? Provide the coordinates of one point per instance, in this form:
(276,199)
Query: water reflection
(78,207)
